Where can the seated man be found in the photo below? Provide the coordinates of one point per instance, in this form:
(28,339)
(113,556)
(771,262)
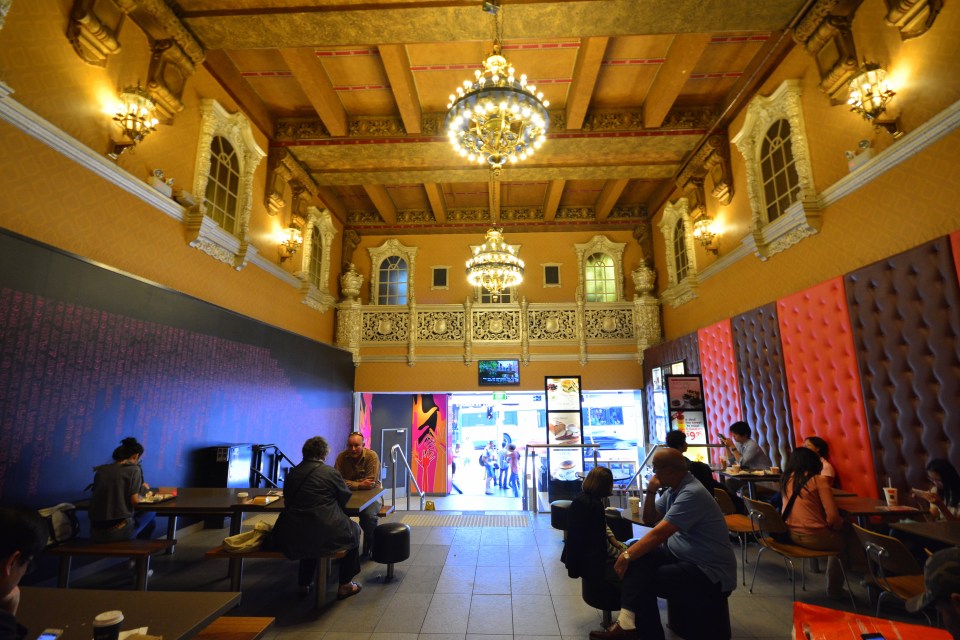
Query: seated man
(686,555)
(701,471)
(23,534)
(360,468)
(941,579)
(744,451)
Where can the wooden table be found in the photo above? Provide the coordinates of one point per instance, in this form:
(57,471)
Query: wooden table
(843,493)
(172,614)
(943,531)
(750,479)
(862,508)
(360,500)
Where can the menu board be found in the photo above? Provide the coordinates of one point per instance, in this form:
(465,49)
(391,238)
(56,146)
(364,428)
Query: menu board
(564,426)
(687,414)
(563,393)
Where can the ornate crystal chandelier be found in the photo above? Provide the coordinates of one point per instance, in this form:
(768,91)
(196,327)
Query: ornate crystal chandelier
(494,265)
(497,118)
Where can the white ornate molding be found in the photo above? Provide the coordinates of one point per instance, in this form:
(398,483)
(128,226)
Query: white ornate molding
(600,244)
(391,247)
(4,9)
(216,121)
(762,113)
(678,291)
(315,287)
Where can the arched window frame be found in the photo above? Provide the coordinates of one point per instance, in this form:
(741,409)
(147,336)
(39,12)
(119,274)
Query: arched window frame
(202,232)
(600,244)
(389,248)
(681,288)
(801,218)
(315,286)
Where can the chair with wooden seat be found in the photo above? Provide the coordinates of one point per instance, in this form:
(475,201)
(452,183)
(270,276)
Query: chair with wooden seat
(766,521)
(893,569)
(737,523)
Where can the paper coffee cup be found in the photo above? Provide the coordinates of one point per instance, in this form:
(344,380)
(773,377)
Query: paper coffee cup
(242,496)
(634,504)
(734,468)
(890,494)
(774,469)
(106,626)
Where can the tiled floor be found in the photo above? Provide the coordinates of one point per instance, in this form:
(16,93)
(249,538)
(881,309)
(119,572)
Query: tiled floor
(458,584)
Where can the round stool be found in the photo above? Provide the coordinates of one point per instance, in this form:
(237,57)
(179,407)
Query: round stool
(391,544)
(559,510)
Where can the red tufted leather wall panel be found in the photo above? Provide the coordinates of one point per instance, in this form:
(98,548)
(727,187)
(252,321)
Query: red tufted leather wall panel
(905,314)
(682,348)
(721,393)
(955,244)
(826,399)
(763,386)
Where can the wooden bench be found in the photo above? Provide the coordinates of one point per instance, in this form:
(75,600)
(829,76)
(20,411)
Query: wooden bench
(236,568)
(138,550)
(236,628)
(385,510)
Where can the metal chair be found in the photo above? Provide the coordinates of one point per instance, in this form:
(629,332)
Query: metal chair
(737,524)
(766,521)
(892,567)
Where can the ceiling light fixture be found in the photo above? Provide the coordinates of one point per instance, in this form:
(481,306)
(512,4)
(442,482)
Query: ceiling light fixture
(869,91)
(136,116)
(290,241)
(494,265)
(705,230)
(497,118)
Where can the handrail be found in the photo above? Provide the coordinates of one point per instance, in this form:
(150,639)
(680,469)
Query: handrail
(394,450)
(278,457)
(663,446)
(525,503)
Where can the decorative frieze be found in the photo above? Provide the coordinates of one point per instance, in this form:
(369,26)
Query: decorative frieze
(609,323)
(552,324)
(499,325)
(440,326)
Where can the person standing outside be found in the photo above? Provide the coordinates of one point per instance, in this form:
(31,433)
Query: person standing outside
(23,535)
(503,466)
(360,468)
(513,462)
(488,458)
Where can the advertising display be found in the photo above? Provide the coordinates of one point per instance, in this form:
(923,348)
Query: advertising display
(684,394)
(564,426)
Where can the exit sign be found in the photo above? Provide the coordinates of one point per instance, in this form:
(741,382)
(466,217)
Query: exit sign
(500,396)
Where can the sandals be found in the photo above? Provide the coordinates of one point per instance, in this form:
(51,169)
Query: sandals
(354,590)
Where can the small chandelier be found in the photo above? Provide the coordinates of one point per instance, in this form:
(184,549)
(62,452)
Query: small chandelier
(497,118)
(135,113)
(494,265)
(705,230)
(869,92)
(290,241)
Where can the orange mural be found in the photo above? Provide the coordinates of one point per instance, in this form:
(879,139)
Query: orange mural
(430,442)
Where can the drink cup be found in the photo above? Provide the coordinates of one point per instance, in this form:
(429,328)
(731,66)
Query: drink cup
(734,468)
(106,626)
(890,494)
(774,470)
(634,505)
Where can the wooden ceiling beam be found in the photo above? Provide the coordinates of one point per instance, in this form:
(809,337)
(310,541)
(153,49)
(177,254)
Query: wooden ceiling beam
(437,201)
(316,84)
(328,198)
(608,197)
(221,67)
(382,201)
(396,63)
(585,72)
(685,50)
(552,200)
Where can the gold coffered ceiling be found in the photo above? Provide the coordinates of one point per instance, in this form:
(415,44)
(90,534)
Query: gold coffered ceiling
(356,92)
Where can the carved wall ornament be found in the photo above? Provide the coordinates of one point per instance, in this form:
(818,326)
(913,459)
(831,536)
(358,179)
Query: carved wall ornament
(762,113)
(496,325)
(216,121)
(631,212)
(384,326)
(351,240)
(642,234)
(608,323)
(167,77)
(4,10)
(160,23)
(440,326)
(93,29)
(288,129)
(391,247)
(600,244)
(575,213)
(415,216)
(315,286)
(350,283)
(552,324)
(711,160)
(912,17)
(678,291)
(644,279)
(285,170)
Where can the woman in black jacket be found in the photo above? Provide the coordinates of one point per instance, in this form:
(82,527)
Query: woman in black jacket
(591,548)
(313,522)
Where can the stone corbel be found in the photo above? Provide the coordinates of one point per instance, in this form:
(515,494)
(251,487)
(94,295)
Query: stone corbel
(713,159)
(167,77)
(283,169)
(824,31)
(912,17)
(159,22)
(93,30)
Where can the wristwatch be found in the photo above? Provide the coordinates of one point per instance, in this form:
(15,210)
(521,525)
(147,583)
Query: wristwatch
(626,556)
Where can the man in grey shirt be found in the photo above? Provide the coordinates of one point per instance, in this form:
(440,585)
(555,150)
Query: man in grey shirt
(743,450)
(687,554)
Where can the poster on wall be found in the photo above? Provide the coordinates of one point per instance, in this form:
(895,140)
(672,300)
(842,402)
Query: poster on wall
(685,401)
(566,464)
(564,427)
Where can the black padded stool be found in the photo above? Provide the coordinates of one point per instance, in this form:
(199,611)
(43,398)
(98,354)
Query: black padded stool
(602,595)
(704,619)
(559,512)
(391,544)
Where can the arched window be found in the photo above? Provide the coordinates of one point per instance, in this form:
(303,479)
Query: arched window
(681,261)
(223,184)
(778,171)
(600,283)
(392,287)
(315,267)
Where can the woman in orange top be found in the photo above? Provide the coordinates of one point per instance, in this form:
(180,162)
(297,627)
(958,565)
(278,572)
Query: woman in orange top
(813,518)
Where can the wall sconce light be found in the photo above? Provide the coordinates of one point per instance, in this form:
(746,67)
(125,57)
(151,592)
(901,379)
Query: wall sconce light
(707,232)
(869,95)
(136,117)
(291,241)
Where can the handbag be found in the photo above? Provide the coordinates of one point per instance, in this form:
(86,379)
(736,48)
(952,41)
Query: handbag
(62,523)
(249,540)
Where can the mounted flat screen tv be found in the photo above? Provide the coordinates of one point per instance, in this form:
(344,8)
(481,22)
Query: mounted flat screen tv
(497,373)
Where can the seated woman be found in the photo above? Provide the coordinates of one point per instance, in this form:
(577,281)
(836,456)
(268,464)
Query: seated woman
(591,548)
(313,522)
(811,513)
(822,449)
(943,499)
(117,488)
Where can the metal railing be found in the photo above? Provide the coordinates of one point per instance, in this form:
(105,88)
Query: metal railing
(394,450)
(272,476)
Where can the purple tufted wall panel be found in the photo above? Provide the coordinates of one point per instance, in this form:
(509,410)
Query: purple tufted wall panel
(682,348)
(763,385)
(721,392)
(826,399)
(905,313)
